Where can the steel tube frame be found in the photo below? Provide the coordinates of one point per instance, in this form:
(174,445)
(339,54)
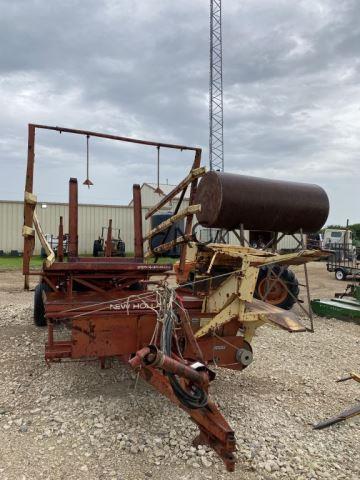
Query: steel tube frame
(73,217)
(108,246)
(138,235)
(29,241)
(60,251)
(113,137)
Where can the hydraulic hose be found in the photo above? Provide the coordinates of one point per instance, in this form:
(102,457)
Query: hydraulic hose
(198,397)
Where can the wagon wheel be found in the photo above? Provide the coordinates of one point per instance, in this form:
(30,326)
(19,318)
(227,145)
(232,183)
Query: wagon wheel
(281,292)
(275,290)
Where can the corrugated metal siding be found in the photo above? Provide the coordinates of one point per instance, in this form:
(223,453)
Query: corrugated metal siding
(91,219)
(11,221)
(289,242)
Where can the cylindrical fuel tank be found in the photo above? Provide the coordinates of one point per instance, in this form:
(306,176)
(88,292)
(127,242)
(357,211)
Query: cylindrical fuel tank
(228,200)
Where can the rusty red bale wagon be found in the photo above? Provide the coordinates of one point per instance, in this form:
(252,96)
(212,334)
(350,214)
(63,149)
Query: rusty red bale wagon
(129,309)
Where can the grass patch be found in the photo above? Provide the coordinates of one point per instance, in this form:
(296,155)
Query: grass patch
(15,263)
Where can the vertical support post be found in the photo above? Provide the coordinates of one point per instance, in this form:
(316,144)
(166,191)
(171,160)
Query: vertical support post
(274,242)
(189,218)
(138,236)
(60,249)
(242,235)
(73,217)
(108,246)
(29,241)
(307,287)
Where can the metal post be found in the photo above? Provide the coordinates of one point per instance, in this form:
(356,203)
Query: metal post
(138,237)
(60,250)
(108,246)
(242,235)
(158,168)
(307,288)
(73,218)
(274,244)
(29,241)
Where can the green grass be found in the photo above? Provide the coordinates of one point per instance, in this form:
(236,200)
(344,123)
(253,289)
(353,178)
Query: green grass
(163,260)
(15,263)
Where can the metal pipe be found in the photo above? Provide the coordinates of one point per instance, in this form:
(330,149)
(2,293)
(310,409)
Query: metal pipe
(158,168)
(138,237)
(114,137)
(308,297)
(152,357)
(60,250)
(29,242)
(108,246)
(73,217)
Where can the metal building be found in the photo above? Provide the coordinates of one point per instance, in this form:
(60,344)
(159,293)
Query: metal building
(91,219)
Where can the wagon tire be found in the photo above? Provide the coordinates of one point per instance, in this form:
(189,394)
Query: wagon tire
(96,248)
(340,274)
(39,308)
(278,295)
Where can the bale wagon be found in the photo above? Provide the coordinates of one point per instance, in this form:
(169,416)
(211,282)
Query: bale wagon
(171,333)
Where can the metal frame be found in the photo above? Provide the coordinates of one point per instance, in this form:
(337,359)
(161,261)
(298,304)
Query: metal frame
(276,277)
(30,199)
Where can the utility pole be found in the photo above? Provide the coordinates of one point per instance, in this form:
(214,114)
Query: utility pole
(216,137)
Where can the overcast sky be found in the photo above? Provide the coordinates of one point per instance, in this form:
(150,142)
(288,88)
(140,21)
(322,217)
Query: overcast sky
(140,68)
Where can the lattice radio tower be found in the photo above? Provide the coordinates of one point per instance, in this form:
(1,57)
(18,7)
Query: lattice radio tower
(216,139)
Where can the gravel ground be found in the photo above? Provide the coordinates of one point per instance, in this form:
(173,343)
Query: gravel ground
(76,421)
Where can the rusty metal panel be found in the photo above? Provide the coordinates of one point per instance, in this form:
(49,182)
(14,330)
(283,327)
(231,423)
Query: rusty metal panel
(111,335)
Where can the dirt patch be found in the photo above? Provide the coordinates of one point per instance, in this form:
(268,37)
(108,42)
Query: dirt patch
(76,421)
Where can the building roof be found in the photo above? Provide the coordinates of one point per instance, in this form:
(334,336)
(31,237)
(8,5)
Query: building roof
(166,188)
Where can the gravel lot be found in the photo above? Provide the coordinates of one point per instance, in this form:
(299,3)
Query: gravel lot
(75,421)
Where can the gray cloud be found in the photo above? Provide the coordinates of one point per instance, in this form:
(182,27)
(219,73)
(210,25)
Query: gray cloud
(291,76)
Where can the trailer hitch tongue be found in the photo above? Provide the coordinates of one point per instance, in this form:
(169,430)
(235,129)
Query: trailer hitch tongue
(151,356)
(215,432)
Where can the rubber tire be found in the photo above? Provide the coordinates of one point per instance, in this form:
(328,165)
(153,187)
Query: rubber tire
(121,248)
(340,274)
(96,248)
(288,277)
(39,308)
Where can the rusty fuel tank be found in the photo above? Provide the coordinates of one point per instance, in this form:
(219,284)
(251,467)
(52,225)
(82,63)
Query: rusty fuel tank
(228,200)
